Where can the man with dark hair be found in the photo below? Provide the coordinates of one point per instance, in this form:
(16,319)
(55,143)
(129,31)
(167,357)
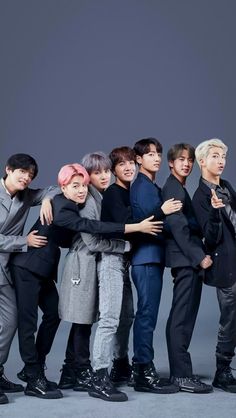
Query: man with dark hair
(186,257)
(215,206)
(15,202)
(148,265)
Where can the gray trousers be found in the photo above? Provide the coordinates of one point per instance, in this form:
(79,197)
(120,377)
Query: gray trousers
(116,312)
(8,320)
(227,325)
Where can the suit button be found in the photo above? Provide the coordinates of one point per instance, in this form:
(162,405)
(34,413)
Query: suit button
(216,254)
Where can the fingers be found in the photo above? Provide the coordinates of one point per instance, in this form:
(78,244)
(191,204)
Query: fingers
(213,194)
(206,262)
(41,218)
(216,202)
(36,241)
(149,218)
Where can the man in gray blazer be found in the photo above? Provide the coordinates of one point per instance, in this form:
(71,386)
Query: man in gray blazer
(15,202)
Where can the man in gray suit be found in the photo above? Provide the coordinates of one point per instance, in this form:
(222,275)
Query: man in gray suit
(15,202)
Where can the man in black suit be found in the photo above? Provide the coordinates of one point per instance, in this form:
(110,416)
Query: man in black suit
(35,271)
(215,205)
(186,257)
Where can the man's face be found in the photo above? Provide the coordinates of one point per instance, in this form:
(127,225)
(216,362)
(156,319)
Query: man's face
(76,190)
(125,171)
(214,164)
(100,179)
(182,166)
(18,179)
(150,162)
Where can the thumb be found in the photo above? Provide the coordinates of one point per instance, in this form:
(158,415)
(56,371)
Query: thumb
(213,193)
(149,218)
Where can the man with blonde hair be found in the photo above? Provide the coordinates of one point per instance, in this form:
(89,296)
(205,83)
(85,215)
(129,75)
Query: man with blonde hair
(215,206)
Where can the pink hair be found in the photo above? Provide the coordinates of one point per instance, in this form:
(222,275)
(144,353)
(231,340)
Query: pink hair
(70,170)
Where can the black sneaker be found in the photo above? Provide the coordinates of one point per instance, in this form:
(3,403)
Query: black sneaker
(84,378)
(191,384)
(120,371)
(37,386)
(68,377)
(146,379)
(3,398)
(103,388)
(8,386)
(22,375)
(225,380)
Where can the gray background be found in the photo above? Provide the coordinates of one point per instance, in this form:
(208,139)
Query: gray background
(83,75)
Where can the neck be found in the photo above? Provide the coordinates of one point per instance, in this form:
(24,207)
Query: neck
(211,178)
(181,179)
(9,187)
(147,173)
(124,184)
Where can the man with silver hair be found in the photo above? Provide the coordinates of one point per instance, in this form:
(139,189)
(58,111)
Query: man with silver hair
(215,206)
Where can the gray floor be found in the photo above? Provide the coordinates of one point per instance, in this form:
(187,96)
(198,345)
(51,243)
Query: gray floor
(181,405)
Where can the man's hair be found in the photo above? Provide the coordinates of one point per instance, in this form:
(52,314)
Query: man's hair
(142,146)
(204,147)
(176,150)
(23,161)
(118,155)
(67,172)
(96,161)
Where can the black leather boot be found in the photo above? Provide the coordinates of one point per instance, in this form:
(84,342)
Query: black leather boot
(224,378)
(83,381)
(121,371)
(104,389)
(146,379)
(24,376)
(3,398)
(68,377)
(37,386)
(7,386)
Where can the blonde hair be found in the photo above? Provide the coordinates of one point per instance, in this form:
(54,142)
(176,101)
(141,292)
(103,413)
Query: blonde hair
(203,148)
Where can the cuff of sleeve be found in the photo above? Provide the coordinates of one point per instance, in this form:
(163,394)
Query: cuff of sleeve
(22,246)
(127,247)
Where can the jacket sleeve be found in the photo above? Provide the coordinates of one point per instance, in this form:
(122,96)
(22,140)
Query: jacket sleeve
(36,196)
(208,219)
(96,243)
(179,227)
(67,216)
(142,205)
(13,243)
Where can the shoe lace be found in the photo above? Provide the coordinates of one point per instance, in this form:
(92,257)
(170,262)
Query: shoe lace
(228,372)
(196,379)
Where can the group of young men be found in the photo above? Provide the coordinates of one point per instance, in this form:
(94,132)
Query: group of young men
(197,242)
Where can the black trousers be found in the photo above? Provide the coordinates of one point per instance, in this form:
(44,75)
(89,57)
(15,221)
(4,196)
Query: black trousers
(33,291)
(78,346)
(186,299)
(227,325)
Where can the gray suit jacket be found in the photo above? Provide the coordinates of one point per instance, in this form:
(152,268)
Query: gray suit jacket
(13,215)
(78,290)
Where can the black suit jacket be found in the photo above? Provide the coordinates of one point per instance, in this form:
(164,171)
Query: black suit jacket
(219,236)
(66,225)
(184,246)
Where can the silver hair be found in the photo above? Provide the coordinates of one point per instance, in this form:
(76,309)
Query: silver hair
(202,150)
(96,161)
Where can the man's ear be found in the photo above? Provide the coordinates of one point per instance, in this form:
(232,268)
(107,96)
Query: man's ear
(138,159)
(8,169)
(202,162)
(171,165)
